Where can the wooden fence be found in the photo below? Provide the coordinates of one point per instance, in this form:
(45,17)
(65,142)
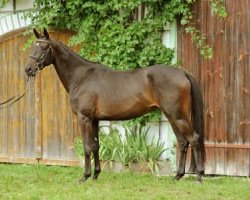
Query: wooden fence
(225,84)
(26,135)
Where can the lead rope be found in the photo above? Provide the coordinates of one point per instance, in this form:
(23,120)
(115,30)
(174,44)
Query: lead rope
(15,98)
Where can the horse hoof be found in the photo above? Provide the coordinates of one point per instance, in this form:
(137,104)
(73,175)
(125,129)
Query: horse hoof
(178,177)
(95,176)
(83,179)
(199,178)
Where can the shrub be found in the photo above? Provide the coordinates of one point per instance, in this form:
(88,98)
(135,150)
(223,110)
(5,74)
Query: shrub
(134,148)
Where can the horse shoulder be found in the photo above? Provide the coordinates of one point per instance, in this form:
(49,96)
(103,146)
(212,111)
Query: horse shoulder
(83,92)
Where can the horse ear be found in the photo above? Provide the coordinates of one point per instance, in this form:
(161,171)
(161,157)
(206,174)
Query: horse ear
(46,34)
(38,35)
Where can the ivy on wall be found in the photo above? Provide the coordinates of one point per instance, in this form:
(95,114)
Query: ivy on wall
(111,37)
(107,32)
(3,3)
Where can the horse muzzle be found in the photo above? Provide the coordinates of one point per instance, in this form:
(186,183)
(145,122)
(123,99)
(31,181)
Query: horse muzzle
(30,71)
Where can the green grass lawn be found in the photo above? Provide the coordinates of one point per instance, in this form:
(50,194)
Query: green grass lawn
(52,182)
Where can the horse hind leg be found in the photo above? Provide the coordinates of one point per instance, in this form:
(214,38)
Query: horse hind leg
(183,145)
(198,155)
(184,128)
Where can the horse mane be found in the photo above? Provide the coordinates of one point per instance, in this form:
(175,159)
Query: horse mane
(75,54)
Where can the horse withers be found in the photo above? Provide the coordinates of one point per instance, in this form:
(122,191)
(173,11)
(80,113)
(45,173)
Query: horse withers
(96,92)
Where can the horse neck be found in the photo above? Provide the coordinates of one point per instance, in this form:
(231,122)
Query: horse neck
(67,63)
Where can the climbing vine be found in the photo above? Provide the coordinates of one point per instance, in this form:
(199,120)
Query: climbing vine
(108,31)
(3,3)
(218,7)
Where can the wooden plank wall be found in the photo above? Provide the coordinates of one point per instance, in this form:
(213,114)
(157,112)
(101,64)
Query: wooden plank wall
(40,127)
(225,84)
(17,140)
(59,127)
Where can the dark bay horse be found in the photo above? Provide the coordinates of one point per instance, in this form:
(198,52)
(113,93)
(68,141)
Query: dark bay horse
(97,92)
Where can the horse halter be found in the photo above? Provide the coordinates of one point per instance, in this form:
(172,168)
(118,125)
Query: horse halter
(40,61)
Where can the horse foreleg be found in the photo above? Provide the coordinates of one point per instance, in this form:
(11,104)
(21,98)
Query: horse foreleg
(86,130)
(96,150)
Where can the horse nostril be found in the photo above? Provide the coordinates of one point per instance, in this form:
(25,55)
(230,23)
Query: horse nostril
(28,69)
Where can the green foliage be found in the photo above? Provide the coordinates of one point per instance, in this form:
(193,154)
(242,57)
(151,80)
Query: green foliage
(139,150)
(218,7)
(3,3)
(106,33)
(109,143)
(133,148)
(153,116)
(199,39)
(78,147)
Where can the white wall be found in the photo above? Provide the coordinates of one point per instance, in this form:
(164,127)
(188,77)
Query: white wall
(169,39)
(10,20)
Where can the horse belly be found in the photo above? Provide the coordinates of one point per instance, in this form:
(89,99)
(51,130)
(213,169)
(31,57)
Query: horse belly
(128,99)
(123,111)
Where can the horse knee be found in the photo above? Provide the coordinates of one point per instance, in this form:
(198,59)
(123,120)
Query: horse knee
(183,146)
(87,150)
(194,141)
(183,127)
(96,146)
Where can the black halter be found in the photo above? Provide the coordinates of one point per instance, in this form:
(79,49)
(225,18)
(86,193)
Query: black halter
(40,61)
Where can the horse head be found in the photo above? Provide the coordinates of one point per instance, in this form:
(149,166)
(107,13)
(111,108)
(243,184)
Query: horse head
(41,54)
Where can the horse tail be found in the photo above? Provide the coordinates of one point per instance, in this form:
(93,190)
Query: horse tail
(197,119)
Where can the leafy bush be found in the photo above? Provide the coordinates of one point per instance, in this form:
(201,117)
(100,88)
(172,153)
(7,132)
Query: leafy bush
(140,150)
(111,34)
(109,144)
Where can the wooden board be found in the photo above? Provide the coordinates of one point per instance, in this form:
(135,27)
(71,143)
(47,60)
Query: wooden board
(224,82)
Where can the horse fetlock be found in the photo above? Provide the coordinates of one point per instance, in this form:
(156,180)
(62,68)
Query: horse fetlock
(200,173)
(84,178)
(96,174)
(178,176)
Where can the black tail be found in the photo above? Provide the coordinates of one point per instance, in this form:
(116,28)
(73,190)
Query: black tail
(197,119)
